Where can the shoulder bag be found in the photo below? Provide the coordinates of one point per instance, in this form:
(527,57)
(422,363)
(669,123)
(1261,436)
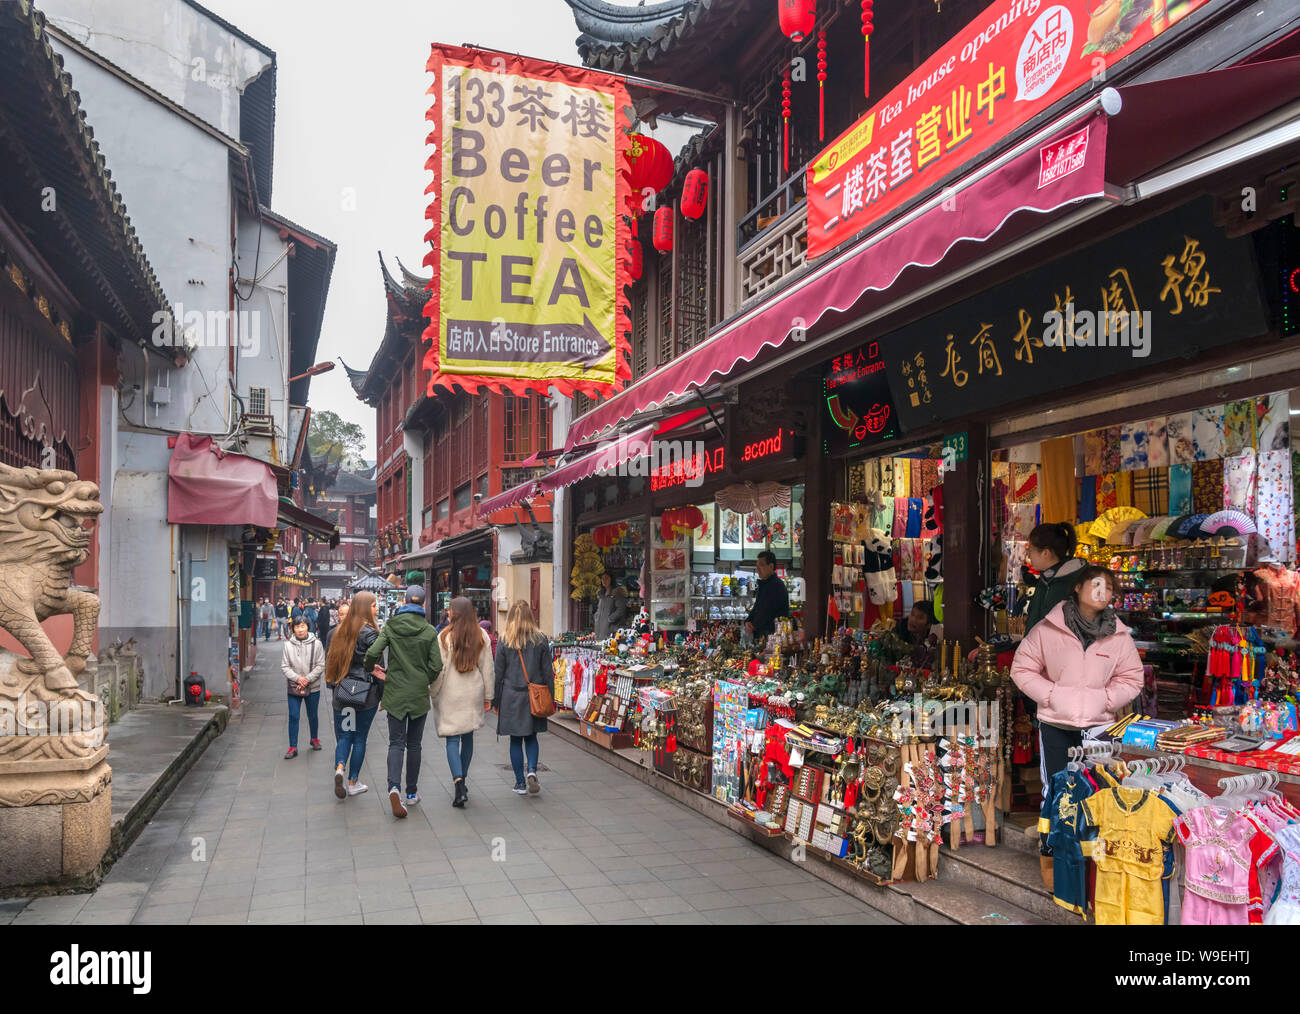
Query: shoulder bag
(540,700)
(353,691)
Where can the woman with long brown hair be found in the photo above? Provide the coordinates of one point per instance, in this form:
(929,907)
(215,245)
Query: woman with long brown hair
(523,657)
(346,656)
(462,695)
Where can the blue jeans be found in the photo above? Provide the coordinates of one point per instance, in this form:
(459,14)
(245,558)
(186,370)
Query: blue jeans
(518,745)
(295,716)
(352,740)
(460,751)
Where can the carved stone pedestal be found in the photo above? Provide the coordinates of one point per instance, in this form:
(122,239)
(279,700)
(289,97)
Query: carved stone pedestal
(55,818)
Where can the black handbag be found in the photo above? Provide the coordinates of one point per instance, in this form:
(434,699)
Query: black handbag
(353,691)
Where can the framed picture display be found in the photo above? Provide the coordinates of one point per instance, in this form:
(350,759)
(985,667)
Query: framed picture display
(669,586)
(669,615)
(678,540)
(778,529)
(705,535)
(730,527)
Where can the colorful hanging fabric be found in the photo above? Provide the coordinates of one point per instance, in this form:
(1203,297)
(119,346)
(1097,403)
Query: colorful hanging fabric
(1182,443)
(1239,482)
(1157,443)
(902,477)
(1106,492)
(1110,455)
(886,477)
(1239,426)
(1025,483)
(1273,422)
(1180,489)
(1208,434)
(1132,447)
(1088,498)
(1207,486)
(1275,509)
(1151,491)
(1123,489)
(1094,446)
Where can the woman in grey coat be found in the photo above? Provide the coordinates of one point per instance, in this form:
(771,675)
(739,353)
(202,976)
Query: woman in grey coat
(611,606)
(523,657)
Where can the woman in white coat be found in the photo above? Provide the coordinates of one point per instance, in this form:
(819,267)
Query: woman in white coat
(462,695)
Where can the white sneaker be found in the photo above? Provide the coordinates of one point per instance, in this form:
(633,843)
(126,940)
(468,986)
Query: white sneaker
(357,789)
(395,800)
(534,786)
(413,799)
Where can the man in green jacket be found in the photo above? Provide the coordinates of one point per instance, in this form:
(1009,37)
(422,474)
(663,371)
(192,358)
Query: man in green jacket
(414,662)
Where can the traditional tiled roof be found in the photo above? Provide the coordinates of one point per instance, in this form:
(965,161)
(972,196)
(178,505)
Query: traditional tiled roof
(92,245)
(403,323)
(628,39)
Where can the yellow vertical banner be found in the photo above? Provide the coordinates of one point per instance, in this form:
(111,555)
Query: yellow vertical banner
(528,240)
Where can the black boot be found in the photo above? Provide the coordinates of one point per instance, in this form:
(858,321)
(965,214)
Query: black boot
(461,794)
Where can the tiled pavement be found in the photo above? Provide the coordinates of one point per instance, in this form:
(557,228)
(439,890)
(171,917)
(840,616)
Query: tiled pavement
(251,838)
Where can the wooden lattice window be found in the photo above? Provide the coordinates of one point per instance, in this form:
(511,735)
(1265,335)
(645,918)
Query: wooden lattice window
(666,344)
(692,284)
(640,330)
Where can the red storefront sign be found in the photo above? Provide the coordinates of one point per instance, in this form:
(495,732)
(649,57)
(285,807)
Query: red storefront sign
(1012,62)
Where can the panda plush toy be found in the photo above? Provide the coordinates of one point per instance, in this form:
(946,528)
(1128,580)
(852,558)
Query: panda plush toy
(934,554)
(882,581)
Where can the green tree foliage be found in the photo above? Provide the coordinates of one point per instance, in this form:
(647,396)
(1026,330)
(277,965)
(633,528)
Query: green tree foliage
(331,437)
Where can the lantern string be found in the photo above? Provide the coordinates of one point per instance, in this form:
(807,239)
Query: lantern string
(821,84)
(785,114)
(867,28)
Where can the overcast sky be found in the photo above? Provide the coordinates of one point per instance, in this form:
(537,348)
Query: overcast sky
(350,105)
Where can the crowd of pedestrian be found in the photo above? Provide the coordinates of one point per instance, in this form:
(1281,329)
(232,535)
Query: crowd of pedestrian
(274,620)
(409,666)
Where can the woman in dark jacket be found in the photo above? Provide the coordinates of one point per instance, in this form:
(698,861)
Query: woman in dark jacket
(1051,553)
(523,657)
(346,657)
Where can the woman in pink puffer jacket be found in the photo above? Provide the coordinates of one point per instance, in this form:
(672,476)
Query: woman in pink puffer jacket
(1079,665)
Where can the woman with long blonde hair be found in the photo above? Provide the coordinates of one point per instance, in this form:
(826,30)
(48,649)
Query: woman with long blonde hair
(349,642)
(462,694)
(523,657)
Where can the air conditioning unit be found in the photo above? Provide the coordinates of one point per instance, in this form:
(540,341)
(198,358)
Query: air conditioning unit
(257,420)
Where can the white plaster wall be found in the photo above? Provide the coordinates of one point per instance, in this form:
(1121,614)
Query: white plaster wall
(175,181)
(169,46)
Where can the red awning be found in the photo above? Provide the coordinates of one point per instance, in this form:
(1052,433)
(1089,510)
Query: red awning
(977,213)
(609,455)
(207,486)
(516,495)
(1158,122)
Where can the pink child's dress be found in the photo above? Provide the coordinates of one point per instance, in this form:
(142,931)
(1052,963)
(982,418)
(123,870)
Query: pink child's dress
(1218,866)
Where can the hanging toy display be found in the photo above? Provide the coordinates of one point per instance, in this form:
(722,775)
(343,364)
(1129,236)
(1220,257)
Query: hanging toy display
(867,28)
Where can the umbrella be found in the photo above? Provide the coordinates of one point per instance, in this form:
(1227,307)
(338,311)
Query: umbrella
(370,583)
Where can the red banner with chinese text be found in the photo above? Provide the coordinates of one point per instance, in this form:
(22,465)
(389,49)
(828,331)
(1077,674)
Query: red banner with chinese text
(1016,59)
(527,234)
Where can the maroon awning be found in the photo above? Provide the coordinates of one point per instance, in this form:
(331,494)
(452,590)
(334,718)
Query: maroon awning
(609,455)
(1158,122)
(515,495)
(976,214)
(208,486)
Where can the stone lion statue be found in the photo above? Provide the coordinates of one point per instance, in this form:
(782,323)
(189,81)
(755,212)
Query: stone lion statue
(42,538)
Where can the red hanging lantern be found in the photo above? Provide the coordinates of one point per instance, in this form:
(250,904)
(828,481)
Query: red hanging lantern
(635,260)
(663,229)
(867,28)
(695,194)
(821,85)
(650,166)
(785,117)
(797,18)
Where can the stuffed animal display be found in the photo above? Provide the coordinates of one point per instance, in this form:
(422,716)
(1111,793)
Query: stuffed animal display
(882,581)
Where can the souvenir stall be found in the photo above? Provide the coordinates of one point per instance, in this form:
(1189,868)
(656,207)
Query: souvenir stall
(619,547)
(888,539)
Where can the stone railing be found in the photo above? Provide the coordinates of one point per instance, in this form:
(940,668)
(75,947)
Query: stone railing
(117,679)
